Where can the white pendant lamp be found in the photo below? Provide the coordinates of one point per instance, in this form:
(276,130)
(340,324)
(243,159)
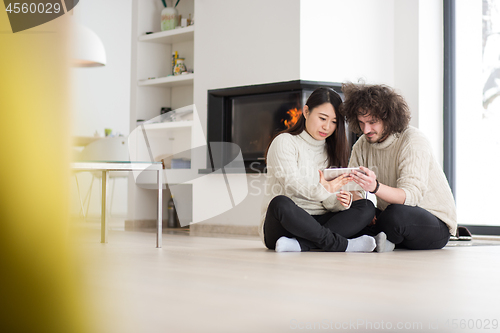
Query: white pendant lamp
(88,49)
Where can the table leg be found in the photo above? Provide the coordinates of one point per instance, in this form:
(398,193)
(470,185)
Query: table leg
(80,196)
(160,208)
(104,229)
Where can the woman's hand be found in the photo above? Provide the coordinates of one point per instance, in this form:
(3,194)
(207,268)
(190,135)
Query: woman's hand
(367,181)
(334,185)
(344,198)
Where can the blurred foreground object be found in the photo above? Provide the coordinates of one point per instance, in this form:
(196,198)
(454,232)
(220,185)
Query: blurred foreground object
(39,286)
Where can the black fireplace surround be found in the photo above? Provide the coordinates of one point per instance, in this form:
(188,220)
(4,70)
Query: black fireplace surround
(250,116)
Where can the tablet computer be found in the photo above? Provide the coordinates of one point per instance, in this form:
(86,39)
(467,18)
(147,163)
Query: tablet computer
(332,173)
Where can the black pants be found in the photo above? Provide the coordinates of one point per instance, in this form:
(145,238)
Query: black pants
(410,227)
(328,232)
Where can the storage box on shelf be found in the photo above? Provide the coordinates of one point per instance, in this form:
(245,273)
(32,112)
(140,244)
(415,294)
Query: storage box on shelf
(167,140)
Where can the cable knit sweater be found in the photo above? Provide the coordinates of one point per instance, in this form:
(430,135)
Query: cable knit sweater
(293,162)
(406,161)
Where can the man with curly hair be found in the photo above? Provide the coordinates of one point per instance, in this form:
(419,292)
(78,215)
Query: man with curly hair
(415,206)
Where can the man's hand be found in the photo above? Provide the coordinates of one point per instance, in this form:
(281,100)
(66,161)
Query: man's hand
(367,181)
(334,185)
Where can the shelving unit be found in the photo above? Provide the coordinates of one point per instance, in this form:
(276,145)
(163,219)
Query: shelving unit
(152,58)
(170,36)
(167,125)
(168,81)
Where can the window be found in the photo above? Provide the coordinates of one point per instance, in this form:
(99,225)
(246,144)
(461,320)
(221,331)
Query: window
(477,111)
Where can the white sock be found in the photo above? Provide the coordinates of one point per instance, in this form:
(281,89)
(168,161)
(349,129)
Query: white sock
(383,245)
(285,244)
(364,243)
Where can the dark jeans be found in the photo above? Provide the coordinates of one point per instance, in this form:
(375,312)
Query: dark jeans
(410,227)
(328,231)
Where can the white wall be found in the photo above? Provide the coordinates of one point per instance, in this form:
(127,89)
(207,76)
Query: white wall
(430,73)
(406,53)
(347,40)
(243,43)
(101,96)
(418,73)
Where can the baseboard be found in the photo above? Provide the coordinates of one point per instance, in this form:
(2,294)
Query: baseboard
(200,229)
(131,225)
(197,229)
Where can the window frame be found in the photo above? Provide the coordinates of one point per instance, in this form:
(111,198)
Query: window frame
(449,109)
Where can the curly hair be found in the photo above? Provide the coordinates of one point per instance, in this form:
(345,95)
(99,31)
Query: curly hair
(379,101)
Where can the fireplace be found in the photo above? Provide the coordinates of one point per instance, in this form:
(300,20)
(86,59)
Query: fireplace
(250,116)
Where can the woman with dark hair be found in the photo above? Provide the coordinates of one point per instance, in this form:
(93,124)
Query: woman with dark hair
(302,210)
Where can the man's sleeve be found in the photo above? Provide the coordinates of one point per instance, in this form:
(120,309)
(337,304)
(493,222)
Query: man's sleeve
(414,164)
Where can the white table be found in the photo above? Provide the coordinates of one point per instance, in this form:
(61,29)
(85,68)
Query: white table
(105,167)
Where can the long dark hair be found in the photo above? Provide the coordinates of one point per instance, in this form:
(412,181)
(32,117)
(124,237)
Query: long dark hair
(336,144)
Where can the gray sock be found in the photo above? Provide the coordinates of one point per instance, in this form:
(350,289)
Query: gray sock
(383,245)
(361,244)
(285,244)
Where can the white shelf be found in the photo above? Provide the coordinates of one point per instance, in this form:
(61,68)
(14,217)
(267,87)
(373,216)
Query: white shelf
(168,81)
(167,125)
(170,36)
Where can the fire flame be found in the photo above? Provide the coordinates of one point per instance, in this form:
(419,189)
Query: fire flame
(294,117)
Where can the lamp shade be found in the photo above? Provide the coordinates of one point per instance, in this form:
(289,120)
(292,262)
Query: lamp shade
(88,49)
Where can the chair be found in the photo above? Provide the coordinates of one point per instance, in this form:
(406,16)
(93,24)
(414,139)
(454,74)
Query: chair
(106,149)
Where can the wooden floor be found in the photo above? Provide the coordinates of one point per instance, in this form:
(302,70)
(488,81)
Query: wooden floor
(209,284)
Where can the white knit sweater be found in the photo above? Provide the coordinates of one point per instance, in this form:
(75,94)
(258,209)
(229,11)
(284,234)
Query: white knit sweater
(406,161)
(293,162)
